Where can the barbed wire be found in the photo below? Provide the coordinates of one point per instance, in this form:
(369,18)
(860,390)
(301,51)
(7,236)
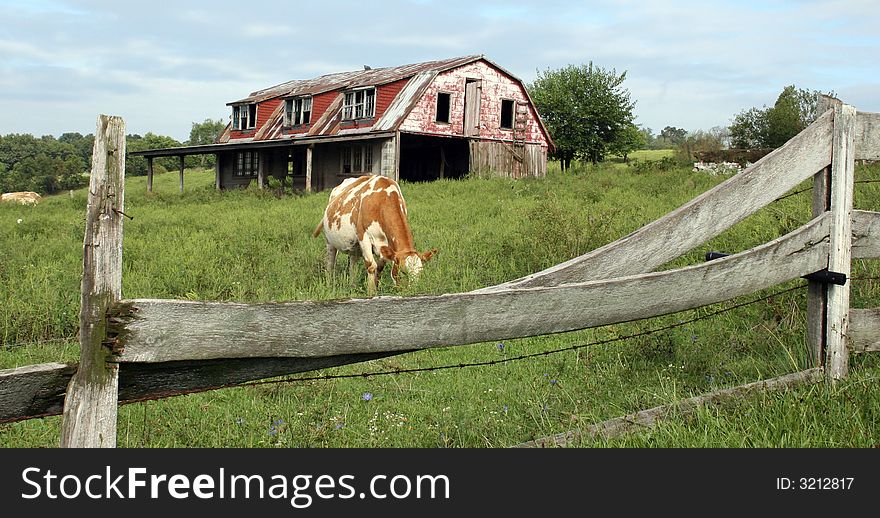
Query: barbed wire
(38,342)
(810,188)
(483,363)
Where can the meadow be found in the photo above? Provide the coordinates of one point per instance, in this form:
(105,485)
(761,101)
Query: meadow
(255,246)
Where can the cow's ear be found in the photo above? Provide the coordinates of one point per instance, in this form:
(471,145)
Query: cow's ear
(386,253)
(426,256)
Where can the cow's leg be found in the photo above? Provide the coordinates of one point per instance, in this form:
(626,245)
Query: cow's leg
(353,258)
(370,265)
(330,263)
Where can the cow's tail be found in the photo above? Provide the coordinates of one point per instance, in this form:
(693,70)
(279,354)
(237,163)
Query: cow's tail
(318,229)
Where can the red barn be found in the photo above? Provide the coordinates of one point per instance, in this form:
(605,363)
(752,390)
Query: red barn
(424,121)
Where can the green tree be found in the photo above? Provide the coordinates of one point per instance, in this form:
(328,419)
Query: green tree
(674,136)
(205,132)
(584,107)
(629,139)
(82,143)
(794,110)
(137,166)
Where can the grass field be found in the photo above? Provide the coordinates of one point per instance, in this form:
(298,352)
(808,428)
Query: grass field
(253,246)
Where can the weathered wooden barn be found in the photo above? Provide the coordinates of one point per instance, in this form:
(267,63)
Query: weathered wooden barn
(423,121)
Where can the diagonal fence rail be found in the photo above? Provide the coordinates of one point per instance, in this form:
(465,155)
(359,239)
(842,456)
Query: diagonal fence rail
(168,346)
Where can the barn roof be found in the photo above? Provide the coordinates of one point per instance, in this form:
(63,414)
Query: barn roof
(353,79)
(329,124)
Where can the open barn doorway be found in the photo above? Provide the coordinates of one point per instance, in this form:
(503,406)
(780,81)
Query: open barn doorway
(424,158)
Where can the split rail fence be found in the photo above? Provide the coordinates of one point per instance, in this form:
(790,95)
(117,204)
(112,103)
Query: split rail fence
(142,348)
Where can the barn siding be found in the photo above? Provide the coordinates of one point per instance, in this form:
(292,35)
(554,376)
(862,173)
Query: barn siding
(495,86)
(499,158)
(265,110)
(385,94)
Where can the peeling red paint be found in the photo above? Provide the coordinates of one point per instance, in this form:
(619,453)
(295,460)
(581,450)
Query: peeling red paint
(496,86)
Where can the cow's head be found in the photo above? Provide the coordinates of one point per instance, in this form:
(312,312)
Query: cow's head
(411,263)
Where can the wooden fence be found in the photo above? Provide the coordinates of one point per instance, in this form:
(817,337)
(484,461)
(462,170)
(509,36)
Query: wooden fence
(134,349)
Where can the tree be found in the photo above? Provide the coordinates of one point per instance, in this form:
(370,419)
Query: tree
(629,139)
(674,136)
(44,164)
(205,132)
(584,107)
(83,144)
(794,110)
(137,166)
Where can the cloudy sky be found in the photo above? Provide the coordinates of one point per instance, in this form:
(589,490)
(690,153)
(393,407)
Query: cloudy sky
(162,65)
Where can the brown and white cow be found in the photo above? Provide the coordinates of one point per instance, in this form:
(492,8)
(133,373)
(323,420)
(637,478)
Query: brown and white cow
(366,217)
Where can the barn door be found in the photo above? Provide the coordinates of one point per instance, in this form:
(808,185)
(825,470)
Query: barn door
(472,91)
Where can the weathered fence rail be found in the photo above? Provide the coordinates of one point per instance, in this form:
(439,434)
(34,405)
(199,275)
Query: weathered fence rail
(165,347)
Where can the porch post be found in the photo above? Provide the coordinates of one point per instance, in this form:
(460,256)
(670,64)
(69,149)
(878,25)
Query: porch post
(217,171)
(149,174)
(261,172)
(309,167)
(181,174)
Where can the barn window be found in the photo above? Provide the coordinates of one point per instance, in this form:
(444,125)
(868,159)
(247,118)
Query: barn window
(506,114)
(298,111)
(357,158)
(246,163)
(443,104)
(346,159)
(244,116)
(368,158)
(359,104)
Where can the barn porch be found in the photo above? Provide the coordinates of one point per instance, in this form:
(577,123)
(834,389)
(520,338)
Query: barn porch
(317,164)
(425,158)
(305,164)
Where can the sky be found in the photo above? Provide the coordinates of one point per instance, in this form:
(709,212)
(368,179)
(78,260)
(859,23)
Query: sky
(692,64)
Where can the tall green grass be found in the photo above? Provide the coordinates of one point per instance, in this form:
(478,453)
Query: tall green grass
(251,246)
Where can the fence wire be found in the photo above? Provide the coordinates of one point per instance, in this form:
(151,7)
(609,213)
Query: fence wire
(810,188)
(484,363)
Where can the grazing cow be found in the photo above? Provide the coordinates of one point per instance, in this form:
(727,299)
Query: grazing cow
(366,216)
(22,198)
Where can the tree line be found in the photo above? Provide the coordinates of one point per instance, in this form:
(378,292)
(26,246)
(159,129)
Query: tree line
(47,165)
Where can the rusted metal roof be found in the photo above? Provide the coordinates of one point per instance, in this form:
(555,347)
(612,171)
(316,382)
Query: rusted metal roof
(418,76)
(354,79)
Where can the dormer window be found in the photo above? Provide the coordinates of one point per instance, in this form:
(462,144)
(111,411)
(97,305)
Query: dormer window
(244,116)
(359,104)
(298,111)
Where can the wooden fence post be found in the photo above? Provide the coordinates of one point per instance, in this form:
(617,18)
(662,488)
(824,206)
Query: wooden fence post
(817,293)
(90,405)
(842,173)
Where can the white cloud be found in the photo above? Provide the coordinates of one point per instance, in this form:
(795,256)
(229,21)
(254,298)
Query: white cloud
(690,64)
(265,30)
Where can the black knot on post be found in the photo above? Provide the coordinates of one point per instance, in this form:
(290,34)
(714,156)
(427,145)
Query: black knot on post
(826,277)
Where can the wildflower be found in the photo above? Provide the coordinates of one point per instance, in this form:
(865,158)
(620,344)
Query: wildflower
(278,422)
(505,407)
(340,426)
(239,421)
(19,221)
(273,431)
(367,396)
(553,382)
(693,338)
(501,346)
